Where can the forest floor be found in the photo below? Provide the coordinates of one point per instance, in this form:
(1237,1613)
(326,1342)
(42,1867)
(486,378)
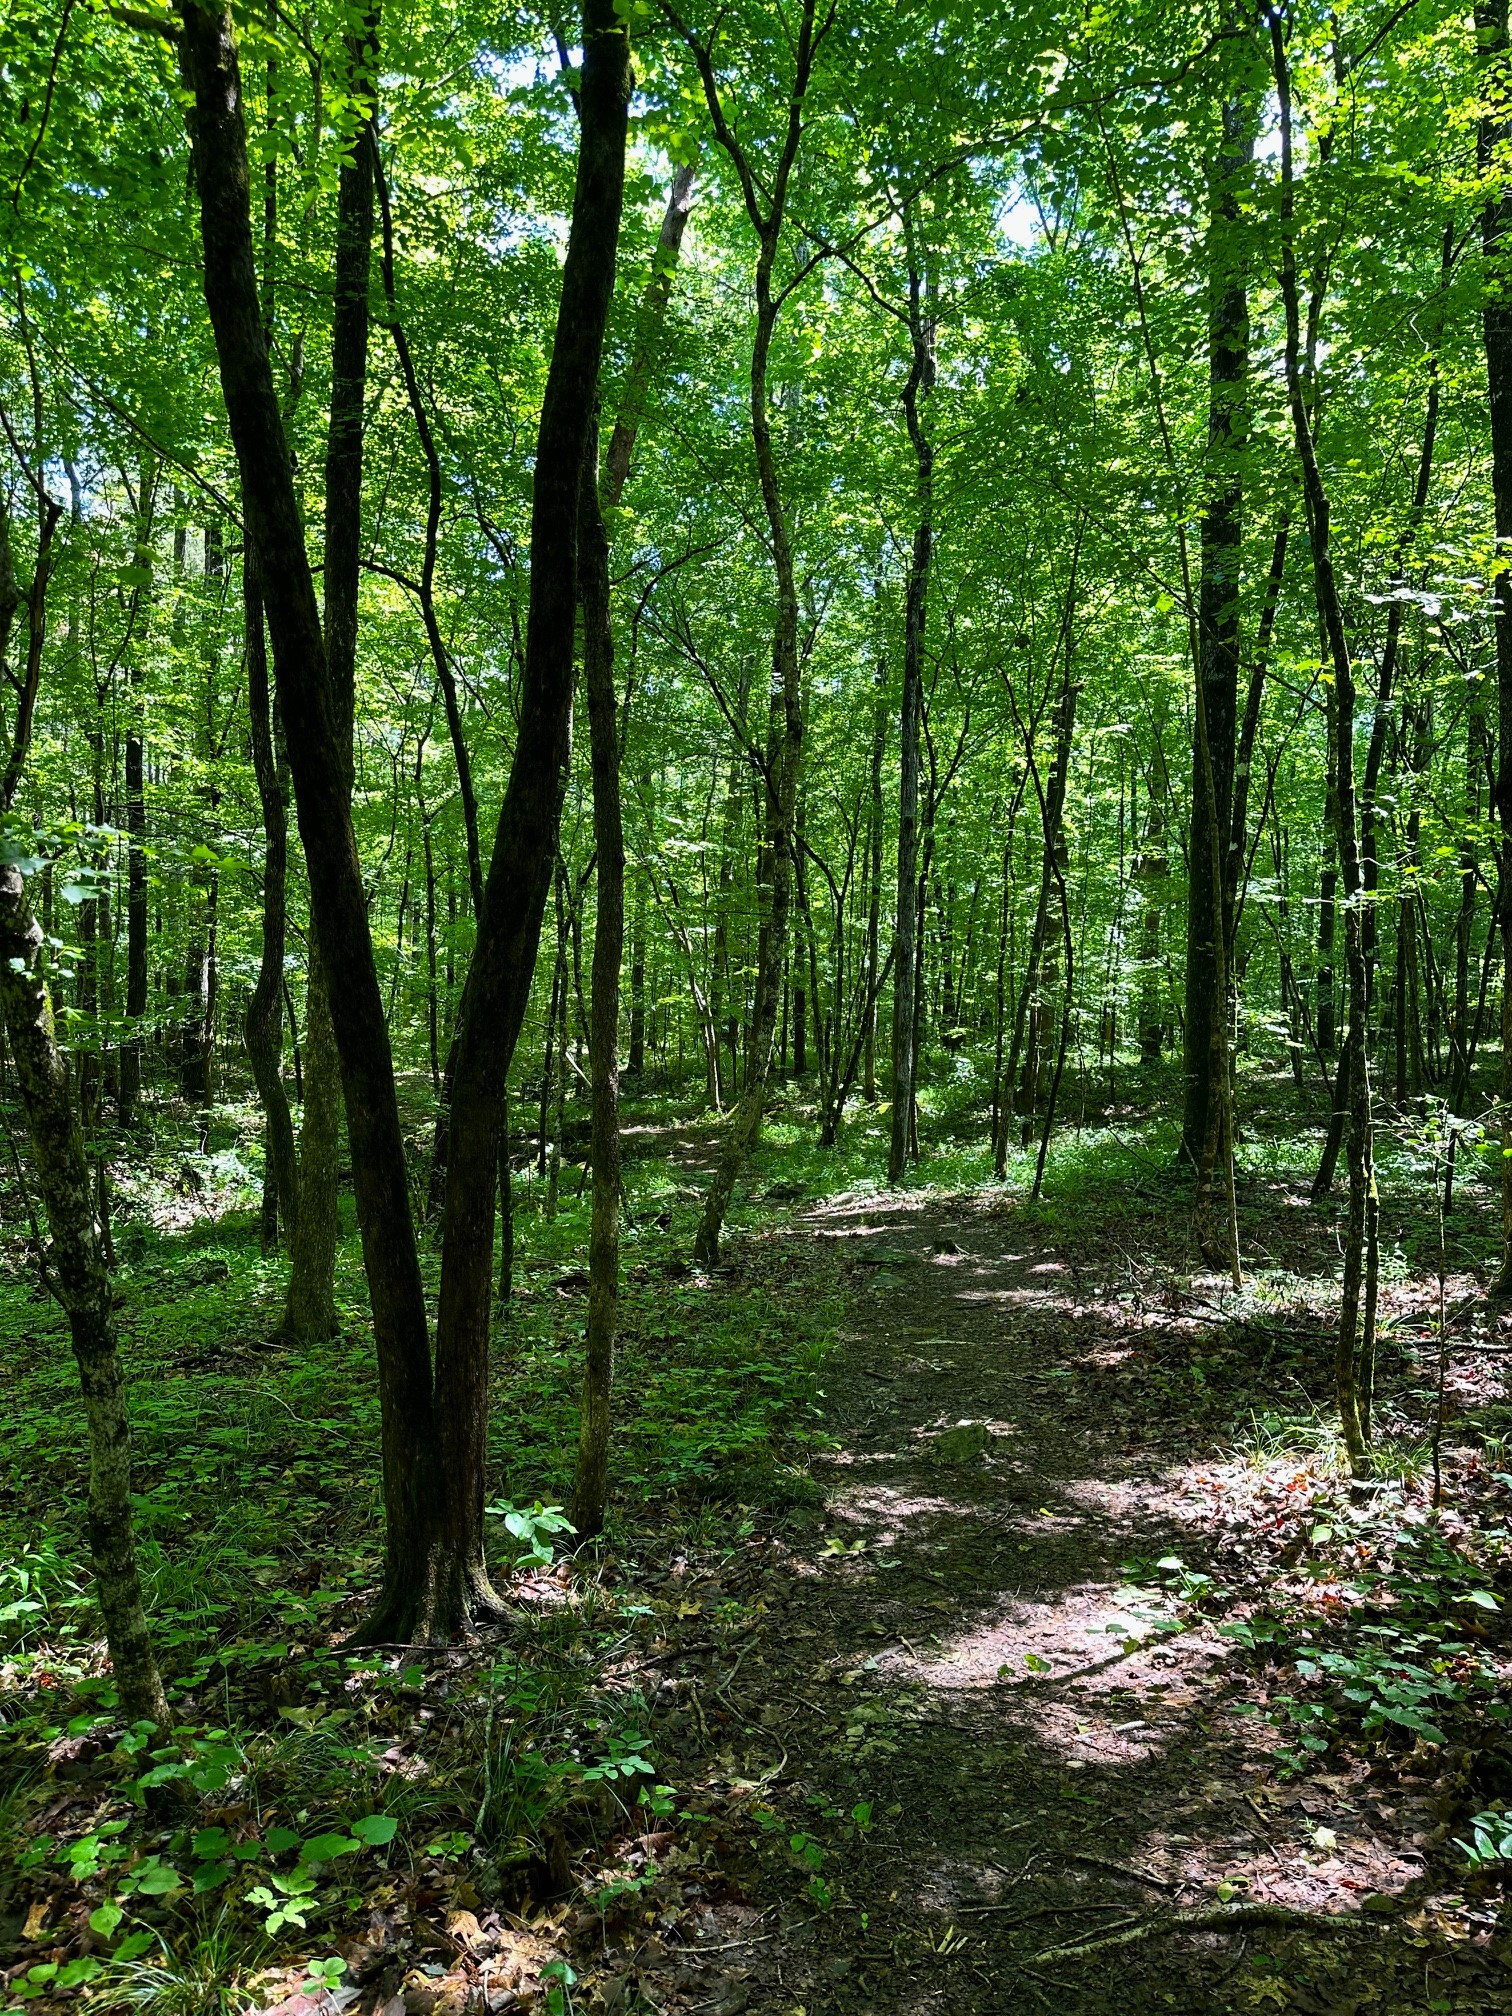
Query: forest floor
(984,1584)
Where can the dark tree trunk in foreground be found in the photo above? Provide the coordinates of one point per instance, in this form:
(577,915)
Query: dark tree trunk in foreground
(318,758)
(80,1279)
(514,896)
(1209,917)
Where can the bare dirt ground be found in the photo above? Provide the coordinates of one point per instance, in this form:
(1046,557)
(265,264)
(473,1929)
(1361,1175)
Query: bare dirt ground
(958,1753)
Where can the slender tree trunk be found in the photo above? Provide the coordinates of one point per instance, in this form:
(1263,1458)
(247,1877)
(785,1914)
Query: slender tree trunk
(311,1308)
(874,883)
(310,1305)
(1355,1347)
(591,1488)
(783,774)
(916,392)
(136,816)
(525,842)
(1208,919)
(264,1020)
(637,1057)
(80,1279)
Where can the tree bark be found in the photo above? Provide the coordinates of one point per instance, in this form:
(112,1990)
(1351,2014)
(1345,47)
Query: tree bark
(1354,1349)
(917,389)
(264,1019)
(316,719)
(514,896)
(80,1279)
(1209,918)
(136,818)
(767,216)
(591,1488)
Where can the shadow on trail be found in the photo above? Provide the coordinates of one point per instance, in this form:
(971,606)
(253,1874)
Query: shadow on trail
(1047,1756)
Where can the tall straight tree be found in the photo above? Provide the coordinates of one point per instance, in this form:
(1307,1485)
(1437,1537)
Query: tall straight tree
(1220,549)
(434,1428)
(1355,1342)
(765,191)
(916,391)
(310,1310)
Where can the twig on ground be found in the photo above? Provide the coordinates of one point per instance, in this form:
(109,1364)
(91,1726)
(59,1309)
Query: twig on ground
(1212,1918)
(1119,1868)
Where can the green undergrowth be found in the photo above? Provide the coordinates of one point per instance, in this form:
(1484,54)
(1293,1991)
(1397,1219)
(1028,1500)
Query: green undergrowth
(302,1785)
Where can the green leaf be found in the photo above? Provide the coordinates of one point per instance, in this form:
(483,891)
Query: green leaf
(376,1829)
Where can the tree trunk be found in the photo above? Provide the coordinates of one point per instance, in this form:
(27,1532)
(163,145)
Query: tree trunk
(637,1058)
(319,746)
(917,389)
(525,842)
(310,1306)
(591,1488)
(264,1020)
(782,778)
(1208,919)
(136,817)
(1355,1346)
(79,1277)
(874,885)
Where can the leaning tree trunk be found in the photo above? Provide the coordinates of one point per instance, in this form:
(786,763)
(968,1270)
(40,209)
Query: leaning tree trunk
(81,1281)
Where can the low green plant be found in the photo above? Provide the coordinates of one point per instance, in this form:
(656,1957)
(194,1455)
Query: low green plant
(1490,1843)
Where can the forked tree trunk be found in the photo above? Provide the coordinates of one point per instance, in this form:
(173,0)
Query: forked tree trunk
(525,842)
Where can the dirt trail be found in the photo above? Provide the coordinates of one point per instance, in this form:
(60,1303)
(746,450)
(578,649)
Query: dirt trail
(945,1647)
